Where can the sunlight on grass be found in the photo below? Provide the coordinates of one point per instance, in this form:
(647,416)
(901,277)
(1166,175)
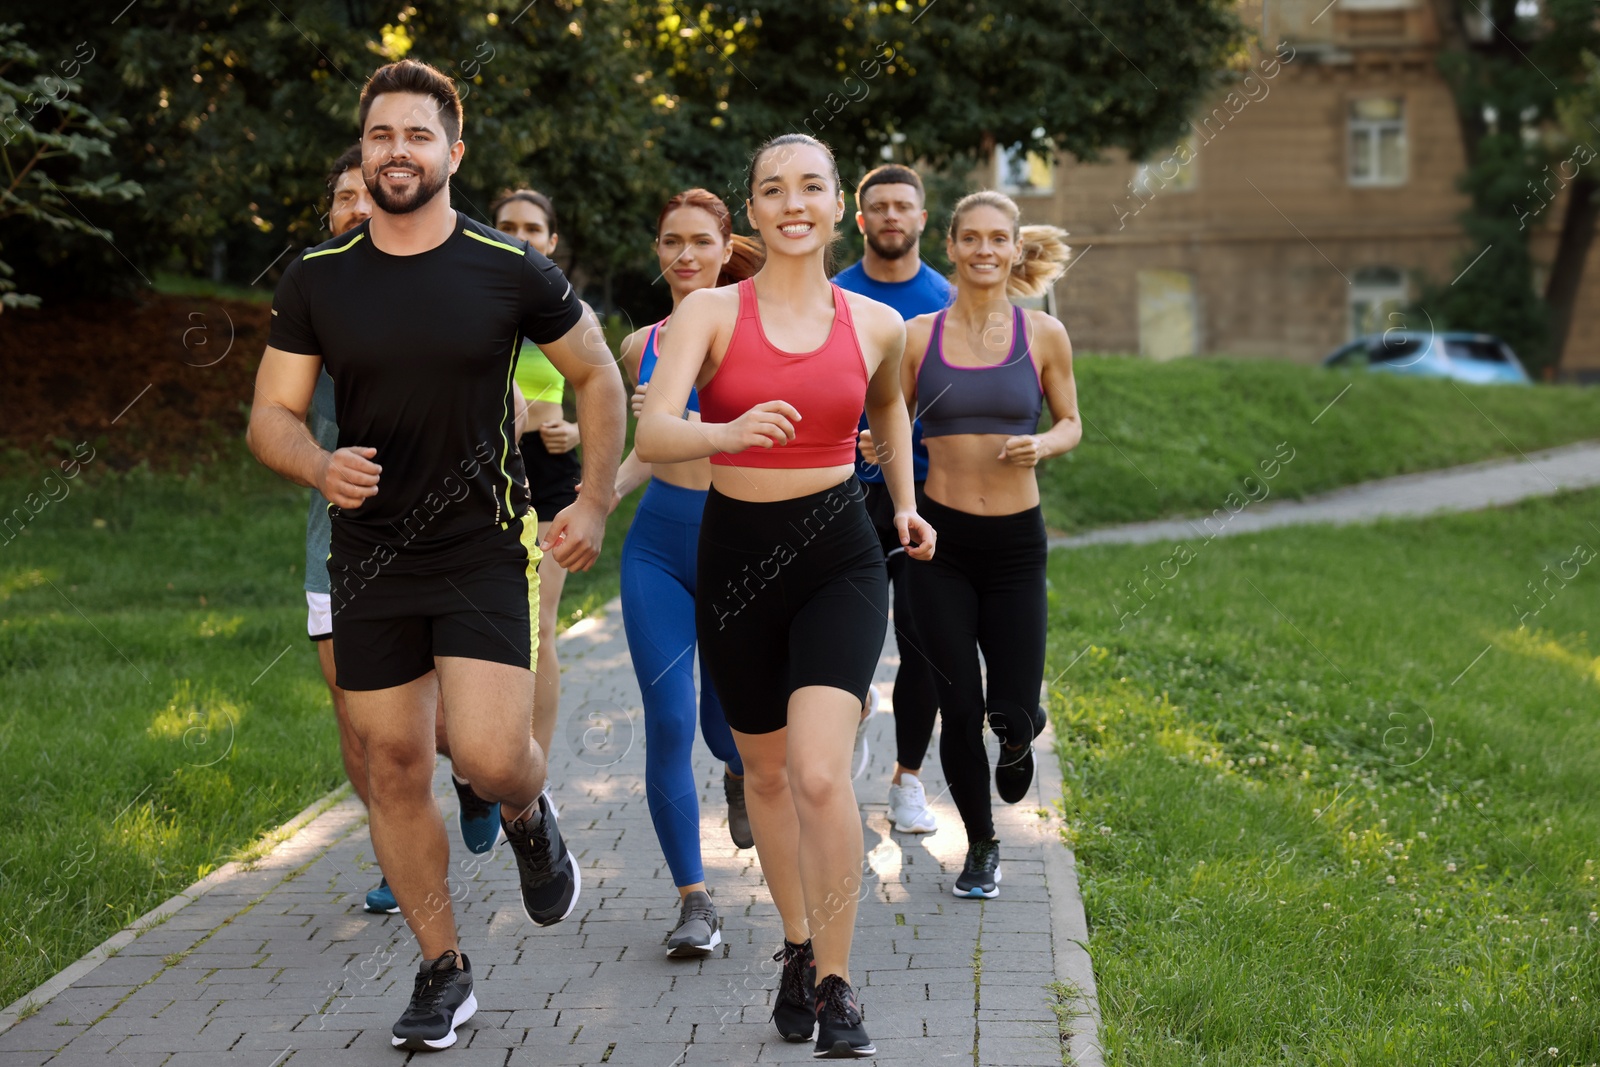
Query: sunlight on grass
(17,581)
(1536,644)
(214,625)
(203,723)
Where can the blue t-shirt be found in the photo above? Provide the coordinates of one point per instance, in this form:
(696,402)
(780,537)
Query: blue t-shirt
(926,293)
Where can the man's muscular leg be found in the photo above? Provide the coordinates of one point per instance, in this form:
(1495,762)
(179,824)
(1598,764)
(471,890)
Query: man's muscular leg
(490,742)
(396,728)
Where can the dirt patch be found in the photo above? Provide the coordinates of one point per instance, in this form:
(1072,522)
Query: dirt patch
(164,380)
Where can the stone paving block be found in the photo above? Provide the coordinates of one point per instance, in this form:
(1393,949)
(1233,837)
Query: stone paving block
(91,1056)
(1012,1052)
(120,970)
(32,1035)
(575,1055)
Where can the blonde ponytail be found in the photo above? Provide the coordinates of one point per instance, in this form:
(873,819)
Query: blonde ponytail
(1042,254)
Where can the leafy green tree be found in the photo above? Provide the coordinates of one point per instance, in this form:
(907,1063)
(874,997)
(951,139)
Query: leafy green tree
(1517,71)
(938,82)
(45,137)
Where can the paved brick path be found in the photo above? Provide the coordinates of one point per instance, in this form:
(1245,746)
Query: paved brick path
(277,964)
(1471,487)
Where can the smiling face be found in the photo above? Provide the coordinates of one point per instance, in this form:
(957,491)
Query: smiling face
(690,249)
(352,205)
(405,156)
(527,222)
(892,218)
(983,247)
(795,200)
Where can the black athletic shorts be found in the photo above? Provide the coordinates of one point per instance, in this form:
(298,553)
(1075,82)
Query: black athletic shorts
(552,479)
(480,601)
(790,594)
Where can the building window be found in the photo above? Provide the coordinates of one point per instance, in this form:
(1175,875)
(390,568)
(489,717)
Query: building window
(1167,327)
(1376,296)
(1378,141)
(1174,170)
(1020,173)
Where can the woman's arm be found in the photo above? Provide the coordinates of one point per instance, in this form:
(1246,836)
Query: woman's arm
(890,421)
(1053,349)
(909,362)
(664,435)
(634,472)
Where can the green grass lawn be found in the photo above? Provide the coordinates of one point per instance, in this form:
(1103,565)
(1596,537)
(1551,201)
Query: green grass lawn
(1333,802)
(162,707)
(1176,438)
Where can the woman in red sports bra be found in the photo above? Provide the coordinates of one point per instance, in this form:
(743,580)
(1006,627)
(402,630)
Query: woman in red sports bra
(792,599)
(979,374)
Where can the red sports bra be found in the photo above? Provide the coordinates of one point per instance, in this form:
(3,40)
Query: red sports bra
(828,386)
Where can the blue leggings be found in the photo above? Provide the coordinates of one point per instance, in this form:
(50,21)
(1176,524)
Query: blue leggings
(658,579)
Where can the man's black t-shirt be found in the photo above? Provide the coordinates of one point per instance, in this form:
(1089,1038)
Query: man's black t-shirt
(422,350)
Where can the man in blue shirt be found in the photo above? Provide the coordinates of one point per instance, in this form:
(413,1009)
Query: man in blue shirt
(891,215)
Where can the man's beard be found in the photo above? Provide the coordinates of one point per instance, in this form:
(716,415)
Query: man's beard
(405,203)
(908,242)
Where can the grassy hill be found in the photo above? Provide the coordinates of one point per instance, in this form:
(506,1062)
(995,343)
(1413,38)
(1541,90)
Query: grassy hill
(1176,438)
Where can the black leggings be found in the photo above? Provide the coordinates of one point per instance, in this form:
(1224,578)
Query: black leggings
(983,590)
(791,593)
(916,700)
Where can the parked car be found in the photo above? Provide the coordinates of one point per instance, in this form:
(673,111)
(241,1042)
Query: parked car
(1480,358)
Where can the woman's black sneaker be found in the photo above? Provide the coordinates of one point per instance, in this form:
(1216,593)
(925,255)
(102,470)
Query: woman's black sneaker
(980,877)
(738,813)
(840,1034)
(441,1001)
(545,866)
(794,1012)
(697,932)
(1013,773)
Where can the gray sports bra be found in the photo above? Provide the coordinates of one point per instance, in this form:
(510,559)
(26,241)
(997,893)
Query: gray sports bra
(1006,398)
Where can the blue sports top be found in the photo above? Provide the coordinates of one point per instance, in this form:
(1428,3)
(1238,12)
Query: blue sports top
(1005,398)
(927,292)
(647,366)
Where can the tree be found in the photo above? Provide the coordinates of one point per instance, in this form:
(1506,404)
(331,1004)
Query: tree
(45,137)
(938,82)
(1516,71)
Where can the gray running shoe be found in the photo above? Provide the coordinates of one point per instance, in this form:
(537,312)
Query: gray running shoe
(698,931)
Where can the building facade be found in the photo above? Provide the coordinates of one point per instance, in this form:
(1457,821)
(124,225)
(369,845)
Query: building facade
(1304,207)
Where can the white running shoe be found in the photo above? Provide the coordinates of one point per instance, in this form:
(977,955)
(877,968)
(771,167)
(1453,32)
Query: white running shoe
(908,807)
(861,733)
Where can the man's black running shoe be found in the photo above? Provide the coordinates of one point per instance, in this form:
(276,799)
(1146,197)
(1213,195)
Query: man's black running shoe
(980,877)
(441,1001)
(840,1033)
(545,866)
(794,1012)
